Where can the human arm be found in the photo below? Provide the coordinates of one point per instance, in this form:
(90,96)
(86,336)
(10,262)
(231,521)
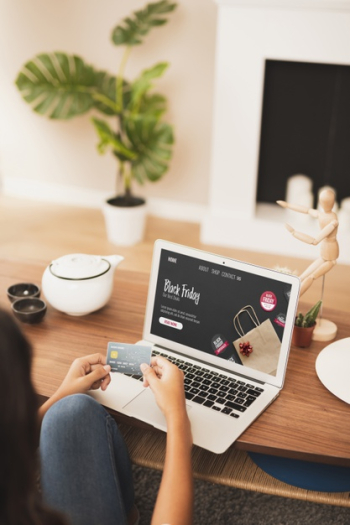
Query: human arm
(85,373)
(174,503)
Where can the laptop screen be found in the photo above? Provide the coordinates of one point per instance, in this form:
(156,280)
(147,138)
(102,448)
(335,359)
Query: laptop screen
(227,313)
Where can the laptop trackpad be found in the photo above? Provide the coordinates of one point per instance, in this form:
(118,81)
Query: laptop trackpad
(145,408)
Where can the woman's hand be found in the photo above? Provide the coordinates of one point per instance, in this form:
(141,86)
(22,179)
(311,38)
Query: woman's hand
(175,497)
(167,384)
(85,373)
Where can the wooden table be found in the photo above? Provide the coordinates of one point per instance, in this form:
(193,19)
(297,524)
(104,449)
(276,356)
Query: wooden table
(305,422)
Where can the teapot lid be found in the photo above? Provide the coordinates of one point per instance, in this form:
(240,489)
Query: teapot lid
(79,266)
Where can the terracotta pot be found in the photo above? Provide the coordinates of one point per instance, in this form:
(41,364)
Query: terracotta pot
(302,337)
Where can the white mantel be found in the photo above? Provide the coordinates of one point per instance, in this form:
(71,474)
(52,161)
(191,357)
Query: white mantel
(248,33)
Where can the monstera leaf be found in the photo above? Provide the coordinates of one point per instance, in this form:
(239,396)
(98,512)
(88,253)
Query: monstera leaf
(105,94)
(63,86)
(110,139)
(152,140)
(132,30)
(153,105)
(147,145)
(143,84)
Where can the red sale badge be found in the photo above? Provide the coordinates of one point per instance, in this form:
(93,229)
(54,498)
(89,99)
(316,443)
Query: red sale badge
(268,301)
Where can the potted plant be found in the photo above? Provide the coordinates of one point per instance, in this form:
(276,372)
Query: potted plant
(62,86)
(304,326)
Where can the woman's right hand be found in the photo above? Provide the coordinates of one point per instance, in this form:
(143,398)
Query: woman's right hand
(175,497)
(167,384)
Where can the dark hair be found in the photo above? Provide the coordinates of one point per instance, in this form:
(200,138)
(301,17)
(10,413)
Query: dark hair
(19,432)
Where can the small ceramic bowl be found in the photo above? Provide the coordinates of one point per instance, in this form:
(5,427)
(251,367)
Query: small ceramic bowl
(29,310)
(21,290)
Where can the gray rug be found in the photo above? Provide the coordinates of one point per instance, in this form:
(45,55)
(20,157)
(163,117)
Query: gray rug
(220,505)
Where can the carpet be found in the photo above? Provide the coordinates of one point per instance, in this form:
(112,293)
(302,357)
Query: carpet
(220,505)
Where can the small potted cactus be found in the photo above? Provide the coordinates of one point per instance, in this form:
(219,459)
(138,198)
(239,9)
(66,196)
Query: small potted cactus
(304,326)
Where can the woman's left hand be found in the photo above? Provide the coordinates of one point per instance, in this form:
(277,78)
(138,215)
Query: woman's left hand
(86,373)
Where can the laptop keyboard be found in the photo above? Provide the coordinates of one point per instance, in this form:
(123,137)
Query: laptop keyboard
(214,390)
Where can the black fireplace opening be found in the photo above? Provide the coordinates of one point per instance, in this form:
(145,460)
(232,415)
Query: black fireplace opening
(305,128)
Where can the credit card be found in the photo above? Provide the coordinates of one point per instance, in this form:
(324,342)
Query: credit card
(126,359)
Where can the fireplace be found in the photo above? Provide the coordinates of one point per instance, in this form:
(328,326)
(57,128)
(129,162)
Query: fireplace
(305,128)
(261,45)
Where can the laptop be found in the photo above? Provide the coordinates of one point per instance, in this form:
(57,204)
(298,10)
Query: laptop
(228,325)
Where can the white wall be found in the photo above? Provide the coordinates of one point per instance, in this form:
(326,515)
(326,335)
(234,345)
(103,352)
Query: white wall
(46,158)
(250,32)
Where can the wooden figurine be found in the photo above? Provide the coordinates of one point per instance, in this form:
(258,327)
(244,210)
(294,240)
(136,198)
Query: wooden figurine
(327,237)
(329,253)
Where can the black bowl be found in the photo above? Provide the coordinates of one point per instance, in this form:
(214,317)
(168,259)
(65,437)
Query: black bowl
(21,290)
(29,310)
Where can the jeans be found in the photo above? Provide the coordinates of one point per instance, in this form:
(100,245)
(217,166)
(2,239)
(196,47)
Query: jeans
(85,466)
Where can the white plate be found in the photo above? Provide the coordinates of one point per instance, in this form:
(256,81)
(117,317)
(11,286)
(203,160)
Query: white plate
(333,368)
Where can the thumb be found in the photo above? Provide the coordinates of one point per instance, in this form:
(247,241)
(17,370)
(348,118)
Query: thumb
(149,374)
(96,375)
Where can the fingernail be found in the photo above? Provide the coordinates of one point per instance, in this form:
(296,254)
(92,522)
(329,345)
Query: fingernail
(143,367)
(107,368)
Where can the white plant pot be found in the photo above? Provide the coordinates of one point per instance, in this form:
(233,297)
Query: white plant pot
(125,226)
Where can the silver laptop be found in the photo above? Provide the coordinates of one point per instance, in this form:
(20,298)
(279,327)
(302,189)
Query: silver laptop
(227,324)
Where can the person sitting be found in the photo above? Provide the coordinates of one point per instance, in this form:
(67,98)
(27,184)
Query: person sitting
(85,469)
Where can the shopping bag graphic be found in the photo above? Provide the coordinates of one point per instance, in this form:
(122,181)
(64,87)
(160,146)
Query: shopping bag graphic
(262,339)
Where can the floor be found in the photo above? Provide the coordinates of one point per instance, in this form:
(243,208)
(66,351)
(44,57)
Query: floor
(220,505)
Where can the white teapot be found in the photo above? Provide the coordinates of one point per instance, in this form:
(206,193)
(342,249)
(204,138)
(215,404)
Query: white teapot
(78,284)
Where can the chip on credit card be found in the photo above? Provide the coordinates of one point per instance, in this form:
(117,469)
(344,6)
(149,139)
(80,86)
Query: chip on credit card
(126,358)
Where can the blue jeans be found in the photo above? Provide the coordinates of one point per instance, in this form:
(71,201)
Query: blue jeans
(85,466)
